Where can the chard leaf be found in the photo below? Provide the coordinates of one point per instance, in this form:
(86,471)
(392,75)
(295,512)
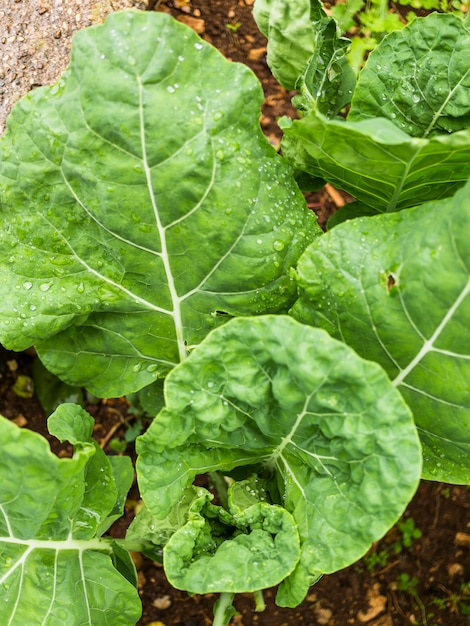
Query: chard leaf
(397,289)
(419,78)
(289,31)
(245,549)
(384,168)
(48,521)
(138,200)
(331,438)
(305,52)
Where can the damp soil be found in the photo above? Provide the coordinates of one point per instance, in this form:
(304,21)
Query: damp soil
(419,573)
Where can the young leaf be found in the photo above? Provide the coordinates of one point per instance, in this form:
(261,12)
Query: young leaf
(419,78)
(241,550)
(288,29)
(305,52)
(139,198)
(326,430)
(49,517)
(397,289)
(376,162)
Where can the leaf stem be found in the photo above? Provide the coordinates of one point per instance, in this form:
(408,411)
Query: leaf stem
(223,609)
(260,604)
(218,481)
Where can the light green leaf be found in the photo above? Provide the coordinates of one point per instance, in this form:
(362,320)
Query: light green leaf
(397,289)
(376,162)
(107,480)
(44,536)
(327,431)
(305,52)
(290,34)
(419,78)
(139,200)
(242,550)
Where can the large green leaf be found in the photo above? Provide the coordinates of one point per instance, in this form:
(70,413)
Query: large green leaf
(138,200)
(328,432)
(384,168)
(419,78)
(54,569)
(397,289)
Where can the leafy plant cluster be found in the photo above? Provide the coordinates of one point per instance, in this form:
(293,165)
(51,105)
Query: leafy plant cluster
(367,22)
(155,244)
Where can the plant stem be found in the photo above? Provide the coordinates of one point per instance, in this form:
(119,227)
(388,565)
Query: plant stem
(220,609)
(219,483)
(260,604)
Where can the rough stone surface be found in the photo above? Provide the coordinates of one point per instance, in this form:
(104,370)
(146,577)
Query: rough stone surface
(35,39)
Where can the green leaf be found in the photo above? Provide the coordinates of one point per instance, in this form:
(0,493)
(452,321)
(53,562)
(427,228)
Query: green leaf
(305,52)
(53,567)
(246,549)
(397,289)
(419,78)
(288,28)
(51,391)
(376,162)
(330,436)
(139,202)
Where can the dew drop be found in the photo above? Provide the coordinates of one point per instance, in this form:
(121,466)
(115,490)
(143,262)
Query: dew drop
(278,245)
(218,116)
(198,46)
(415,98)
(45,286)
(80,288)
(137,367)
(27,285)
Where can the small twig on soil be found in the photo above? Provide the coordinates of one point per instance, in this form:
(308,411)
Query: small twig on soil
(122,420)
(437,510)
(335,195)
(153,4)
(386,568)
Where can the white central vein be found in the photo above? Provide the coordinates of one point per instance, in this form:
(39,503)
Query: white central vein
(176,305)
(288,438)
(428,345)
(440,111)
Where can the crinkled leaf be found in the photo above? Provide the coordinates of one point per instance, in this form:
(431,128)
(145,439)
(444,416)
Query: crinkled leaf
(107,481)
(376,162)
(327,430)
(305,52)
(53,568)
(245,549)
(149,534)
(397,289)
(419,78)
(139,199)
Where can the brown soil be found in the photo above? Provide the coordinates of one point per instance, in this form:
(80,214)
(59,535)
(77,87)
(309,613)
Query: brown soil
(426,582)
